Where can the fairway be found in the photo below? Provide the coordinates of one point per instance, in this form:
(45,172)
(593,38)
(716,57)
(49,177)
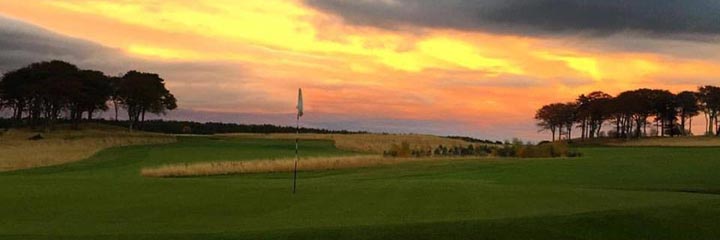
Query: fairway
(609,193)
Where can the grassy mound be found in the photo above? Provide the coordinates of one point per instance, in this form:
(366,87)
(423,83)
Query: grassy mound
(65,145)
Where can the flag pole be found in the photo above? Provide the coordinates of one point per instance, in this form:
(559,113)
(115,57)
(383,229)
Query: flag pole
(297,137)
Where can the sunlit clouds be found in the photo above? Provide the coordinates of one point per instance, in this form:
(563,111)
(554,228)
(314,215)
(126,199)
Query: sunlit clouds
(484,80)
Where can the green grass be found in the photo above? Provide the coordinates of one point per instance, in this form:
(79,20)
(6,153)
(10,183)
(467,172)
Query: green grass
(611,193)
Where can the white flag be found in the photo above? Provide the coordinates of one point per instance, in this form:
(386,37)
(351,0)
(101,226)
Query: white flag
(300,103)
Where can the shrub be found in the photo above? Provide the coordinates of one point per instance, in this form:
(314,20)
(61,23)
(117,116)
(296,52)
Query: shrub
(402,150)
(543,150)
(514,148)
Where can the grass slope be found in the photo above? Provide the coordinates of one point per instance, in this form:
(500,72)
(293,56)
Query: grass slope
(611,193)
(65,145)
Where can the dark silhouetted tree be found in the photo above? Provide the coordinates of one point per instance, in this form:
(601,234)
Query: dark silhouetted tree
(96,91)
(687,104)
(709,98)
(547,119)
(665,111)
(593,112)
(557,117)
(140,93)
(52,84)
(44,91)
(115,97)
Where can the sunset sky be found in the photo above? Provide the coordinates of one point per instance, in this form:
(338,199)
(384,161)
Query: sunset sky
(457,67)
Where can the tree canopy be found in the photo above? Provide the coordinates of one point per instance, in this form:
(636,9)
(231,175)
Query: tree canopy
(630,112)
(41,93)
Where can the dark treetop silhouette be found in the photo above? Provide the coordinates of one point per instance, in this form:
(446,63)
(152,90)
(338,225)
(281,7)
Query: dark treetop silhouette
(630,111)
(40,93)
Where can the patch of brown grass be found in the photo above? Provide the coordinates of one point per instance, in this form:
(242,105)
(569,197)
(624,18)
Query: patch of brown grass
(369,143)
(64,146)
(281,165)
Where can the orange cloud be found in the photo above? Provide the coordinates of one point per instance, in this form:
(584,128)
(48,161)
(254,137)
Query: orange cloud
(354,70)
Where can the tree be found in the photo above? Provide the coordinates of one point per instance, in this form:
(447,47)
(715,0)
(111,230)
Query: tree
(115,97)
(709,98)
(665,110)
(547,119)
(632,108)
(583,115)
(43,91)
(557,117)
(593,111)
(15,91)
(687,104)
(49,87)
(140,93)
(96,91)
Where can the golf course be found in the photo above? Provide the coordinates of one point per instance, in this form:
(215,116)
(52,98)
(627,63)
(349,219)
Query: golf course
(639,192)
(360,120)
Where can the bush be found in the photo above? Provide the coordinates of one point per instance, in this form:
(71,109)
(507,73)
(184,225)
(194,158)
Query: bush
(543,150)
(402,150)
(514,148)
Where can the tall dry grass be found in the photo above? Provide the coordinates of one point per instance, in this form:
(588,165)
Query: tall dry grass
(369,143)
(281,165)
(64,146)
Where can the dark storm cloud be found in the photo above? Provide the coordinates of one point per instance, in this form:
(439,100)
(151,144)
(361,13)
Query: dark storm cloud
(22,43)
(536,17)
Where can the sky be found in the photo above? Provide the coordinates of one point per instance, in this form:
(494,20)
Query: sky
(477,68)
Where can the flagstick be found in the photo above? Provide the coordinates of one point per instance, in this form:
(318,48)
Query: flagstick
(297,137)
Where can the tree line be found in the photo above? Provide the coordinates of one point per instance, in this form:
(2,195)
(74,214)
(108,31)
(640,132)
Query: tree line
(631,114)
(43,93)
(209,128)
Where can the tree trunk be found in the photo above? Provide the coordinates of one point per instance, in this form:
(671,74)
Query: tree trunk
(142,121)
(116,109)
(15,115)
(707,122)
(710,123)
(671,124)
(682,124)
(20,108)
(132,117)
(662,127)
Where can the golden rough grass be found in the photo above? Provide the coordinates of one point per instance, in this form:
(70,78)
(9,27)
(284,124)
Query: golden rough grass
(369,143)
(700,141)
(280,165)
(64,146)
